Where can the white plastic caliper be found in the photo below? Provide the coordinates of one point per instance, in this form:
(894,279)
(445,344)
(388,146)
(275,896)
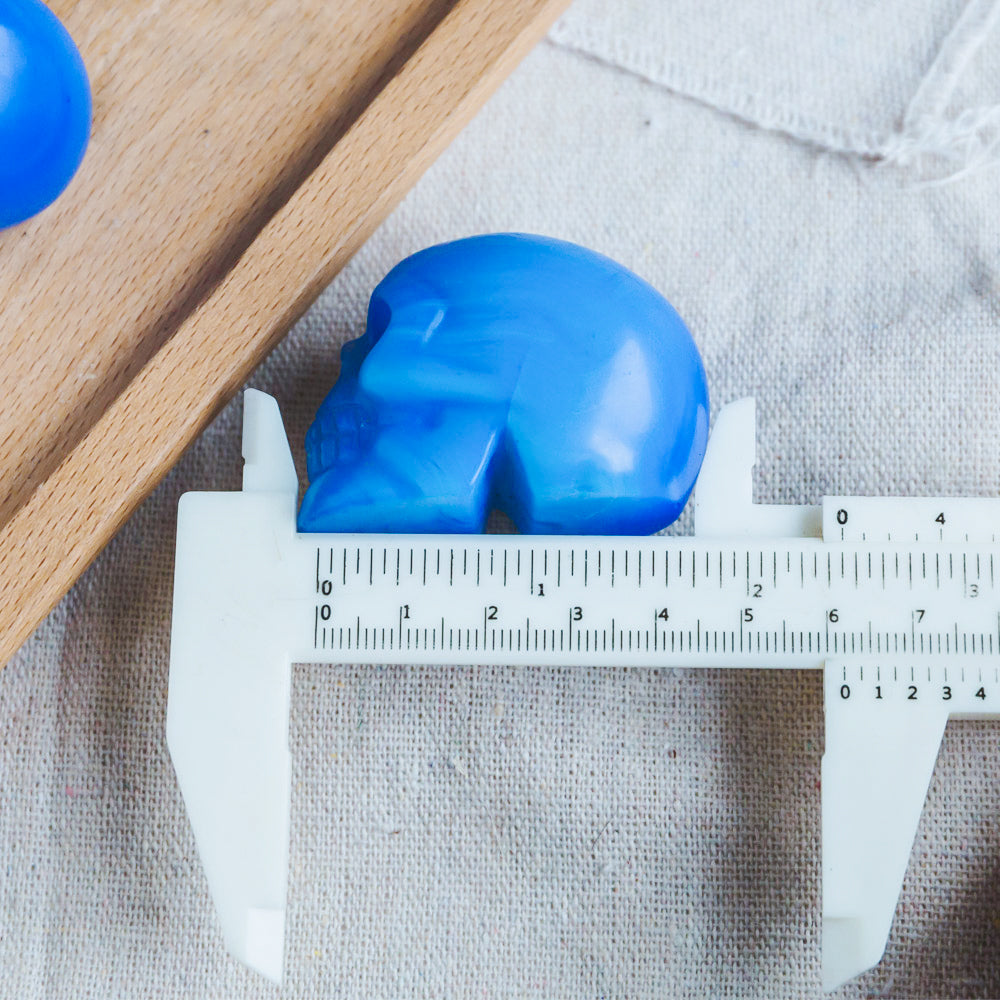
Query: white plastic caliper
(897,599)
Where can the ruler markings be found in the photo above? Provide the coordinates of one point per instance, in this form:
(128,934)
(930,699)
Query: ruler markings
(630,570)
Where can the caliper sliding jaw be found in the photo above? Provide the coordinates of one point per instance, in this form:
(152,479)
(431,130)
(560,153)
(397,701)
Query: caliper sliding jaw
(876,768)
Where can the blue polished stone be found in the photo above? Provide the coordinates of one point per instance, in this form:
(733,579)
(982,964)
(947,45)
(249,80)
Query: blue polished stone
(516,373)
(44,109)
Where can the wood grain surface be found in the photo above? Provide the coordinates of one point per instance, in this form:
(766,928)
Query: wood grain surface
(241,152)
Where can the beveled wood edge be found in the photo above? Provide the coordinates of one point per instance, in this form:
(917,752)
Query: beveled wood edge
(72,515)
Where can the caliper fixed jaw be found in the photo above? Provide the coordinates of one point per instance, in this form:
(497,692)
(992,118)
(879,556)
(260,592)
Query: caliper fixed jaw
(228,700)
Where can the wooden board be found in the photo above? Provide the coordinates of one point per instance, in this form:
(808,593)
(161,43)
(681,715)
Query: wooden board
(242,150)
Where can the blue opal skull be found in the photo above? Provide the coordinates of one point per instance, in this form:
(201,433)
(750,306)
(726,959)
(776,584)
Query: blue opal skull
(515,373)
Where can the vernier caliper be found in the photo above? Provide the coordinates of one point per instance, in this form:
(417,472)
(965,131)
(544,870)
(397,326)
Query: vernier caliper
(897,600)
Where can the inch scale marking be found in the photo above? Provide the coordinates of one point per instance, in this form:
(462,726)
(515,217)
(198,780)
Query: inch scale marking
(897,600)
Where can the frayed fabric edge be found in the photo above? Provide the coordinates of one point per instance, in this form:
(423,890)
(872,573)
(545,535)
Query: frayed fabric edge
(930,144)
(942,150)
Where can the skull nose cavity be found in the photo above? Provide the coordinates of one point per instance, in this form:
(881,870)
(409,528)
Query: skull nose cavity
(379,317)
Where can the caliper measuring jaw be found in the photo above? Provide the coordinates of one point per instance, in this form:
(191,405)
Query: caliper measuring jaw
(845,586)
(877,763)
(230,679)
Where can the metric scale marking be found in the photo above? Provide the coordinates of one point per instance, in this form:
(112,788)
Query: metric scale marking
(897,599)
(662,602)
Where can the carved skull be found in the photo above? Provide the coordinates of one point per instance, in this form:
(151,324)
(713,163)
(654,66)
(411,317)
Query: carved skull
(516,373)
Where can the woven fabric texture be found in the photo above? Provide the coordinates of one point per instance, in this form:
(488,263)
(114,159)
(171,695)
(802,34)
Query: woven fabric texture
(557,833)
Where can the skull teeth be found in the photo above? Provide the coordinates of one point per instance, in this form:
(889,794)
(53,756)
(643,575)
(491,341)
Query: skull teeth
(346,436)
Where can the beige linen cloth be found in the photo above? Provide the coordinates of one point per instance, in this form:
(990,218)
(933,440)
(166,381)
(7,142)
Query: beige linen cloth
(811,184)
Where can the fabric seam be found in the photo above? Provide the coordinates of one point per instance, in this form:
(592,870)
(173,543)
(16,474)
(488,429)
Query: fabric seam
(924,127)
